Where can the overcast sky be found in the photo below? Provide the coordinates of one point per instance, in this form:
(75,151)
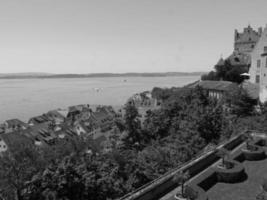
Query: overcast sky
(90,36)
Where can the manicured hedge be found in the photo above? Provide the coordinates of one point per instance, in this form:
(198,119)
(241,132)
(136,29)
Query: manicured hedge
(232,175)
(258,154)
(235,174)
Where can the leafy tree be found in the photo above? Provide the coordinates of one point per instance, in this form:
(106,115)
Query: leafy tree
(240,102)
(223,153)
(227,72)
(210,125)
(17,166)
(180,178)
(134,137)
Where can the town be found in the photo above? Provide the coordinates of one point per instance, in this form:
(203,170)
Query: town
(167,143)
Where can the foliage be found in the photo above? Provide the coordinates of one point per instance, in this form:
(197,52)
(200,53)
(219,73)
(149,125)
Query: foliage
(134,155)
(240,102)
(226,72)
(133,137)
(223,153)
(180,178)
(17,167)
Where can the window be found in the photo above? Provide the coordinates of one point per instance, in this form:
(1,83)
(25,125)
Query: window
(258,63)
(257,78)
(265,49)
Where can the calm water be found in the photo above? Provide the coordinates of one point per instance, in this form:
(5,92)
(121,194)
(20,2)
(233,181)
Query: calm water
(23,98)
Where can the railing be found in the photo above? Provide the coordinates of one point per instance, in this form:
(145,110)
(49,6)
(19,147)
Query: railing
(172,172)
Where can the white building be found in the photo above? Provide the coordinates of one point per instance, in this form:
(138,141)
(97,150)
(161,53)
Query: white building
(258,69)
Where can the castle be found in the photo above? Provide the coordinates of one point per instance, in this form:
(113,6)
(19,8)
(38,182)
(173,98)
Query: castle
(250,49)
(246,41)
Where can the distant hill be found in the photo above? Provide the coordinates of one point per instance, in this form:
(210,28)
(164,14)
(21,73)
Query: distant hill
(95,75)
(25,75)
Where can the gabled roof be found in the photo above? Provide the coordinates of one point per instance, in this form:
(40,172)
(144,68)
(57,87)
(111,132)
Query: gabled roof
(39,119)
(216,85)
(55,113)
(40,132)
(14,138)
(15,122)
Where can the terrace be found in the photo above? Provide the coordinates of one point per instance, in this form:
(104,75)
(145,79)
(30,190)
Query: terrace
(238,176)
(248,189)
(241,183)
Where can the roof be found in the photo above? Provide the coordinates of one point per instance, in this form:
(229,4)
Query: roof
(64,113)
(40,132)
(216,85)
(78,108)
(55,113)
(39,119)
(15,122)
(15,138)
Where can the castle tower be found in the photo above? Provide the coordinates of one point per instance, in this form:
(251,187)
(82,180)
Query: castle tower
(245,41)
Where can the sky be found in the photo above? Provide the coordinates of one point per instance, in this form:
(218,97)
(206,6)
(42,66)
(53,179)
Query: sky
(118,36)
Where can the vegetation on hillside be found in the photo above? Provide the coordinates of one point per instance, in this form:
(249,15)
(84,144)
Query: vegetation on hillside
(226,72)
(134,155)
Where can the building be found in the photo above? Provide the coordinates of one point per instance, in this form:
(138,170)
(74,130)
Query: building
(216,89)
(13,139)
(258,69)
(245,41)
(12,125)
(38,120)
(57,116)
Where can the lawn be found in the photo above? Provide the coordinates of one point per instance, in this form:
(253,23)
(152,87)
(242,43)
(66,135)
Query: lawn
(247,190)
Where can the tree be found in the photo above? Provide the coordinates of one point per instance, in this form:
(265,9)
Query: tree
(17,166)
(210,125)
(223,153)
(180,178)
(240,102)
(248,137)
(134,137)
(227,72)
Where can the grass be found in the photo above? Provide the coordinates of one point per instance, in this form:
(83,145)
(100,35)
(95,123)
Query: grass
(247,190)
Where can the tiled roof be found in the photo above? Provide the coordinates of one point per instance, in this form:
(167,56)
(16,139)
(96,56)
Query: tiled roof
(15,122)
(14,138)
(216,85)
(55,113)
(39,119)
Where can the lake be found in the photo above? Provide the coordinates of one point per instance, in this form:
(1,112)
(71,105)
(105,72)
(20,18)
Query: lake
(24,98)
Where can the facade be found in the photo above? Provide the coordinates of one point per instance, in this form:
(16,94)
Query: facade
(245,41)
(258,69)
(216,89)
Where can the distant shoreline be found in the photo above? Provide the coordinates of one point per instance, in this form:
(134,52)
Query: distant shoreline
(96,75)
